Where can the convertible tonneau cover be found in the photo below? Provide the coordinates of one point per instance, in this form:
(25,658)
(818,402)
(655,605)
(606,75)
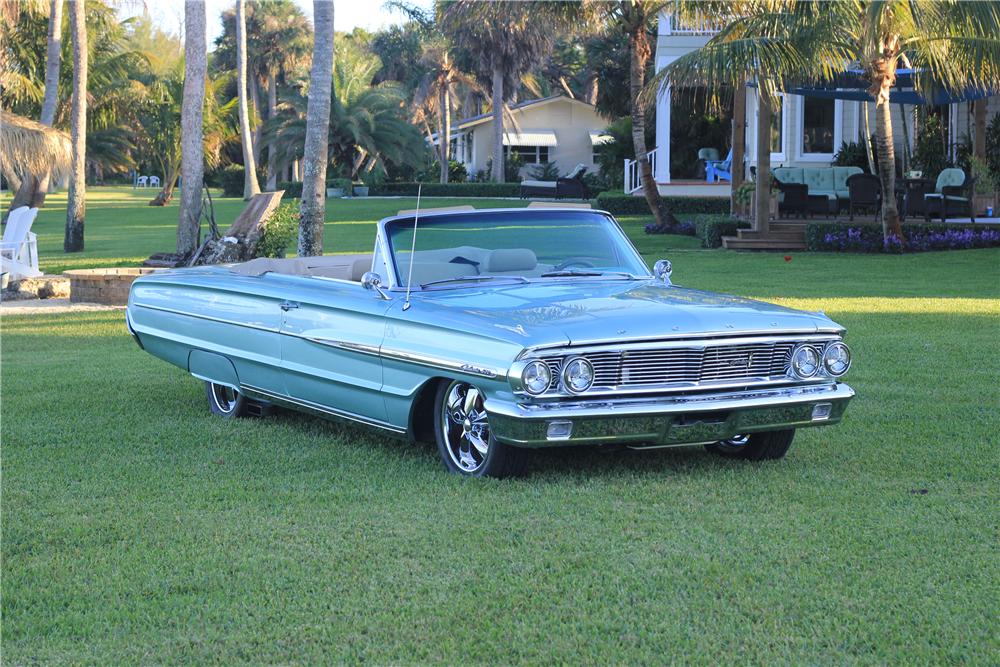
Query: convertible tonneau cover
(344,267)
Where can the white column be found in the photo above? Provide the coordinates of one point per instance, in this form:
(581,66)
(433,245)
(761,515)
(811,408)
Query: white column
(662,173)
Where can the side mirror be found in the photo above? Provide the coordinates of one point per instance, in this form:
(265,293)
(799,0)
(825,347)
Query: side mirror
(373,281)
(662,271)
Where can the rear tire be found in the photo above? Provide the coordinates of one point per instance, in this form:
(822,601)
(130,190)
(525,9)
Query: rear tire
(465,443)
(757,447)
(226,401)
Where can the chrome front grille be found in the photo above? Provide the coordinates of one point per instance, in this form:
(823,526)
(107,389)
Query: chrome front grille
(682,367)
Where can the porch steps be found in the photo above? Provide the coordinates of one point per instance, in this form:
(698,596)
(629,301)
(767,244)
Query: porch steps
(780,237)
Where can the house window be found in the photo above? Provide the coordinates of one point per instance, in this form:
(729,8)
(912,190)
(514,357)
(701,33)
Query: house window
(528,154)
(818,125)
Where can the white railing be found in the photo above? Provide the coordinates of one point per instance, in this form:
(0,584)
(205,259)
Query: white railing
(633,175)
(699,24)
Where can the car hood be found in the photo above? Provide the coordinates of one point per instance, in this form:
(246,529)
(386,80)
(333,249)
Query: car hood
(579,312)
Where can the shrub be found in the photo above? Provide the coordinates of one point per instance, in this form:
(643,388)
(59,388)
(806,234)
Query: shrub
(546,171)
(231,180)
(280,231)
(930,150)
(344,184)
(448,189)
(828,236)
(711,228)
(851,154)
(292,190)
(620,203)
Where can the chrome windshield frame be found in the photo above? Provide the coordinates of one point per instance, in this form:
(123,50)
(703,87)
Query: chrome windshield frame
(396,285)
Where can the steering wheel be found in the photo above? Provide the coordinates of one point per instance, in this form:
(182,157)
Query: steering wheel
(574,261)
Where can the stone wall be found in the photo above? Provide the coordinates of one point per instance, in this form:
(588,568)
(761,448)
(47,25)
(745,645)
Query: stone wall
(106,286)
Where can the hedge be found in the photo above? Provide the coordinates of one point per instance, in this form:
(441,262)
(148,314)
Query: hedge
(447,190)
(293,190)
(867,237)
(620,203)
(711,228)
(231,180)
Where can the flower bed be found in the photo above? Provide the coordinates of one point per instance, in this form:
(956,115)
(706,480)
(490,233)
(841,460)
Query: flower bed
(838,237)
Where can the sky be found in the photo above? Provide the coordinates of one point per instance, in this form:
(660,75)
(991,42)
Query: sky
(347,14)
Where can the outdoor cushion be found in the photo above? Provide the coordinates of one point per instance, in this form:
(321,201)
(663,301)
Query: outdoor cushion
(829,194)
(539,184)
(840,176)
(818,179)
(949,177)
(937,195)
(788,174)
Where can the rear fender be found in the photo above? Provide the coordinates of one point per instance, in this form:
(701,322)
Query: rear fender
(213,368)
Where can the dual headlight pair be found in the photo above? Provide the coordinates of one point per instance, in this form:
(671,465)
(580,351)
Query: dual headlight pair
(577,376)
(834,360)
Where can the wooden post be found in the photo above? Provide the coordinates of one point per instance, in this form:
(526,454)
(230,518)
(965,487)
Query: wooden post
(739,143)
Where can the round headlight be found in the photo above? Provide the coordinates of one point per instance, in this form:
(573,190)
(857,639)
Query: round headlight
(577,375)
(536,377)
(836,359)
(805,362)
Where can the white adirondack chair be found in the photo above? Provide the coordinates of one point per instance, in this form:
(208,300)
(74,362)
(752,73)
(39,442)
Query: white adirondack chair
(19,248)
(154,181)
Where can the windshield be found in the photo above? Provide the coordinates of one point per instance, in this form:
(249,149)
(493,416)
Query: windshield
(480,246)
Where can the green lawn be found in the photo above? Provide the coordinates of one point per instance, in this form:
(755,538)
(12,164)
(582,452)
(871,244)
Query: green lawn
(139,529)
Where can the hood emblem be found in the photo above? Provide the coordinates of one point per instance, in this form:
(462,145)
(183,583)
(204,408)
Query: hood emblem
(742,362)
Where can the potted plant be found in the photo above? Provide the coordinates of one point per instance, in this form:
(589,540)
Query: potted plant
(984,197)
(744,198)
(338,187)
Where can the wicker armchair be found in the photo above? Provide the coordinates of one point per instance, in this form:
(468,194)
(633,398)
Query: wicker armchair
(794,198)
(951,193)
(864,192)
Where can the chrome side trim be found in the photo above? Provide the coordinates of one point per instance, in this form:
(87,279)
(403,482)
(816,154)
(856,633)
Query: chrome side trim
(409,357)
(326,410)
(209,318)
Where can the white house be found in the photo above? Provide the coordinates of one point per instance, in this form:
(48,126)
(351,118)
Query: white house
(807,131)
(554,129)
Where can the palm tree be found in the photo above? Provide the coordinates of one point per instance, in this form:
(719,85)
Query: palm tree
(34,187)
(637,20)
(192,147)
(438,90)
(507,38)
(250,185)
(950,43)
(312,209)
(76,206)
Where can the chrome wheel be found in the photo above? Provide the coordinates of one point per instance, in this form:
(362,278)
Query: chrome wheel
(734,444)
(465,427)
(225,398)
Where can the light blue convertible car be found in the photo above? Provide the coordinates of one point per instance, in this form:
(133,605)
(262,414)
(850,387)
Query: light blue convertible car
(494,332)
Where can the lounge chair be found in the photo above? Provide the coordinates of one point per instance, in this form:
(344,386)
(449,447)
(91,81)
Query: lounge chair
(571,186)
(19,248)
(720,170)
(952,190)
(864,191)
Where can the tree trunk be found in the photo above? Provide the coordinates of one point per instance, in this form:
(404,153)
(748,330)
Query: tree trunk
(979,131)
(498,171)
(34,187)
(250,185)
(272,148)
(296,171)
(192,148)
(444,139)
(739,144)
(881,86)
(640,52)
(76,206)
(762,192)
(312,209)
(868,138)
(255,116)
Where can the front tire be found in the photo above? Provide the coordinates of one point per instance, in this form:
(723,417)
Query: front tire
(465,443)
(226,401)
(757,447)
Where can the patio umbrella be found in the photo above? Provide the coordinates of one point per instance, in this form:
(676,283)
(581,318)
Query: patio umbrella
(28,147)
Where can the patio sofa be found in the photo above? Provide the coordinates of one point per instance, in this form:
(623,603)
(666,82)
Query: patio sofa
(830,182)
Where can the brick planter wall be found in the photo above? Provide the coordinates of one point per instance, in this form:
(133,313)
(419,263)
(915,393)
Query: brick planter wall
(106,286)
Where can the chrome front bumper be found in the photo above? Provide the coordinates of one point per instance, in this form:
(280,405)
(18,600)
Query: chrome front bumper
(670,420)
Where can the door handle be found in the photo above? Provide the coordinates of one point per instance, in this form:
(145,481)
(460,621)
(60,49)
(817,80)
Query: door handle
(288,305)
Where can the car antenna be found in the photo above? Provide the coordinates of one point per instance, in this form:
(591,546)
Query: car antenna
(413,247)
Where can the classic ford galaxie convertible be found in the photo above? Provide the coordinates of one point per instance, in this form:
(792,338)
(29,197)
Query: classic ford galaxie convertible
(494,332)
